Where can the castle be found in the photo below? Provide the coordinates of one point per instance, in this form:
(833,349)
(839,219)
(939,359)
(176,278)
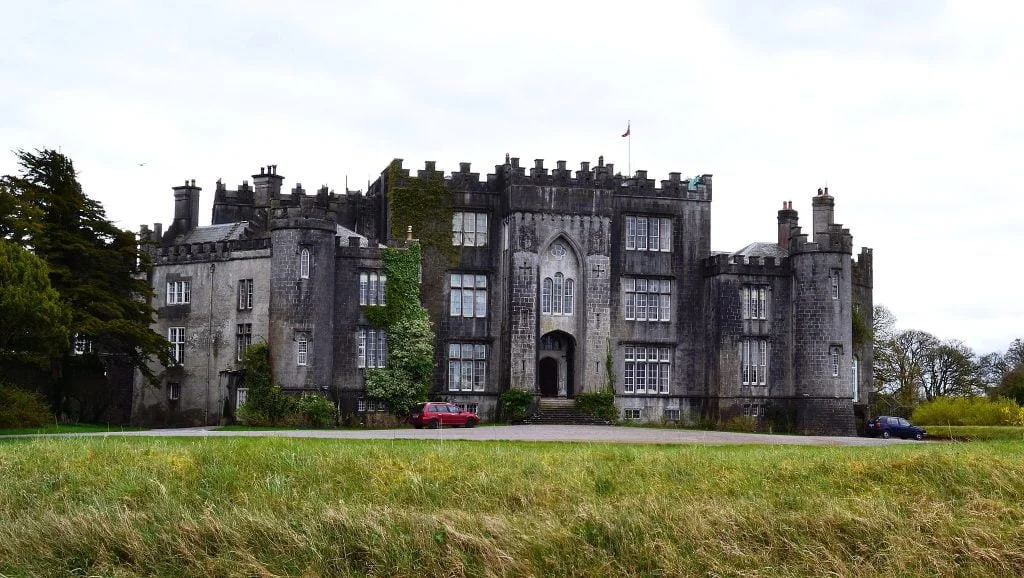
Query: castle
(556,282)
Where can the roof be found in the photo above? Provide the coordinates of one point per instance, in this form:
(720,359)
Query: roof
(758,249)
(213,233)
(345,233)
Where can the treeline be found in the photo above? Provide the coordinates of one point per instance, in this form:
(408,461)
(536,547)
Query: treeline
(74,295)
(913,366)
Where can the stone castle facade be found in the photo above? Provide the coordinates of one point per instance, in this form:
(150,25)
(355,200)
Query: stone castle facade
(563,282)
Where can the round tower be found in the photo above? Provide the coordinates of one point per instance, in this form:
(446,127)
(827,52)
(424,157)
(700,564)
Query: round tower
(301,335)
(822,325)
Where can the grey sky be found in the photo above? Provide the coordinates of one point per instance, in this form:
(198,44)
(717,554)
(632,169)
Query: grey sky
(909,111)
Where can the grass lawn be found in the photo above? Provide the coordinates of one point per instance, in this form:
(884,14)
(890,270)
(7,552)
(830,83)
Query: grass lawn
(67,428)
(274,506)
(975,432)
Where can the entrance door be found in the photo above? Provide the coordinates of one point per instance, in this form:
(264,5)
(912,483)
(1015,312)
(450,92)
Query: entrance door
(548,374)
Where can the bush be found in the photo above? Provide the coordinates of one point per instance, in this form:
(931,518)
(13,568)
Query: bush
(600,404)
(317,411)
(514,404)
(968,411)
(20,408)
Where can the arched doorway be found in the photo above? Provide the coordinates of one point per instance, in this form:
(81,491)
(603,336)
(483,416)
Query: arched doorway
(556,357)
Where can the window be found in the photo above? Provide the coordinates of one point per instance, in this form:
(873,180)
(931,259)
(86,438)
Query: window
(647,369)
(179,292)
(834,278)
(468,295)
(371,288)
(648,234)
(302,350)
(754,361)
(241,394)
(245,294)
(176,335)
(467,366)
(373,348)
(173,391)
(753,410)
(671,415)
(469,229)
(367,405)
(557,295)
(470,407)
(304,264)
(631,413)
(834,355)
(856,380)
(545,295)
(754,300)
(82,344)
(568,298)
(243,339)
(647,299)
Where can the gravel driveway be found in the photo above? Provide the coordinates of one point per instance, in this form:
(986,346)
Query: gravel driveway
(538,433)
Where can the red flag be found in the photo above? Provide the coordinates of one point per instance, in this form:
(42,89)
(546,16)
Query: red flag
(625,134)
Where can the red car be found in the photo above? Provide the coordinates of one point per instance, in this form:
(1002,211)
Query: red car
(438,414)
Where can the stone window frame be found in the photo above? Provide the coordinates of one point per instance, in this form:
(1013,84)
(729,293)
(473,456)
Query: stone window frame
(835,354)
(173,391)
(241,394)
(176,336)
(243,339)
(475,295)
(179,292)
(754,361)
(302,350)
(641,236)
(834,278)
(467,366)
(305,262)
(371,348)
(558,295)
(754,301)
(372,288)
(755,410)
(245,294)
(652,289)
(632,413)
(477,234)
(671,414)
(637,359)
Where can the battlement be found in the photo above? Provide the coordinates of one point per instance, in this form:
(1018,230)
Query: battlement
(202,252)
(833,239)
(601,176)
(300,210)
(863,268)
(726,264)
(241,196)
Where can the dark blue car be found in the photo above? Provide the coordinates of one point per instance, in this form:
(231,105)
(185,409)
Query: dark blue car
(888,426)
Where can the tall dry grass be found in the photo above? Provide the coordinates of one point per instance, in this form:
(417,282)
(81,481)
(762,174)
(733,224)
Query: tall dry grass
(271,506)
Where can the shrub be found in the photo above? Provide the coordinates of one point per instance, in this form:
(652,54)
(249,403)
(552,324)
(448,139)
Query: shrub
(20,408)
(968,411)
(514,404)
(743,423)
(265,404)
(317,411)
(600,404)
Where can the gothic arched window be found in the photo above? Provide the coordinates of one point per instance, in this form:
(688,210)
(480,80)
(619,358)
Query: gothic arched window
(545,296)
(568,296)
(557,295)
(304,264)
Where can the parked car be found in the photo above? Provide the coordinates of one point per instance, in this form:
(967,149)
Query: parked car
(888,426)
(439,414)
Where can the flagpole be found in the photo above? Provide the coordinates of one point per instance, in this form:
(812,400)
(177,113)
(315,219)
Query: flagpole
(629,149)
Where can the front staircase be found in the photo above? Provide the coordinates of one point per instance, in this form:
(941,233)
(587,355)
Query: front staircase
(561,411)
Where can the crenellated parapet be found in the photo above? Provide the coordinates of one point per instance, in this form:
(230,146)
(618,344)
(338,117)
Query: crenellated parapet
(205,252)
(726,264)
(302,211)
(831,239)
(863,268)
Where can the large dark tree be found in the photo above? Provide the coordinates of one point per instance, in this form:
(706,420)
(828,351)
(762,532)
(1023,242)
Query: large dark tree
(97,268)
(35,320)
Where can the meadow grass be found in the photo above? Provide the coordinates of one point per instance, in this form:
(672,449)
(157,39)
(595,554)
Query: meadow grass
(67,428)
(273,506)
(975,432)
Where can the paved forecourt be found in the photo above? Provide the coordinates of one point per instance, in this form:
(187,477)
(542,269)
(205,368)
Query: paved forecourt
(537,433)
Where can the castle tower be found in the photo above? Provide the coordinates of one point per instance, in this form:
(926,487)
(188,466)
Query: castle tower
(822,330)
(301,333)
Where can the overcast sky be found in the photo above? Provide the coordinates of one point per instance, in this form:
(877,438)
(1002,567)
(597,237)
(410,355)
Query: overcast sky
(910,112)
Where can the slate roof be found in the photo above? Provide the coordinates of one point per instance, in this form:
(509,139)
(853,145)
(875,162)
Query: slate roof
(214,233)
(345,233)
(758,249)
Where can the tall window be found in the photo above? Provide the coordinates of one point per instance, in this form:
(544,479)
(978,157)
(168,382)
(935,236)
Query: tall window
(754,361)
(469,229)
(245,294)
(82,344)
(557,294)
(856,380)
(754,301)
(373,348)
(173,391)
(302,350)
(647,369)
(467,366)
(179,292)
(371,288)
(647,299)
(834,356)
(468,295)
(648,234)
(243,339)
(176,335)
(304,263)
(834,278)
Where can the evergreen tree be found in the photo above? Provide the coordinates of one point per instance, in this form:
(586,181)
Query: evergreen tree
(35,320)
(97,269)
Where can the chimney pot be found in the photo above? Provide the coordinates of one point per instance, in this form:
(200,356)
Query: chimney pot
(408,233)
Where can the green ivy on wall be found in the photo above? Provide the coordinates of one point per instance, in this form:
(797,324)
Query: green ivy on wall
(410,366)
(424,203)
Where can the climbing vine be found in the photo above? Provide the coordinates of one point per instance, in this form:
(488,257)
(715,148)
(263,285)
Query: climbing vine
(406,379)
(423,203)
(861,327)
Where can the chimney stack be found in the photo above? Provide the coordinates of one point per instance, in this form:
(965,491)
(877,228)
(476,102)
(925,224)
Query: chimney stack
(788,220)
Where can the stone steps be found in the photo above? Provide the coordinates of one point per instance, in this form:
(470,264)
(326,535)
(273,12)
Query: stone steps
(556,411)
